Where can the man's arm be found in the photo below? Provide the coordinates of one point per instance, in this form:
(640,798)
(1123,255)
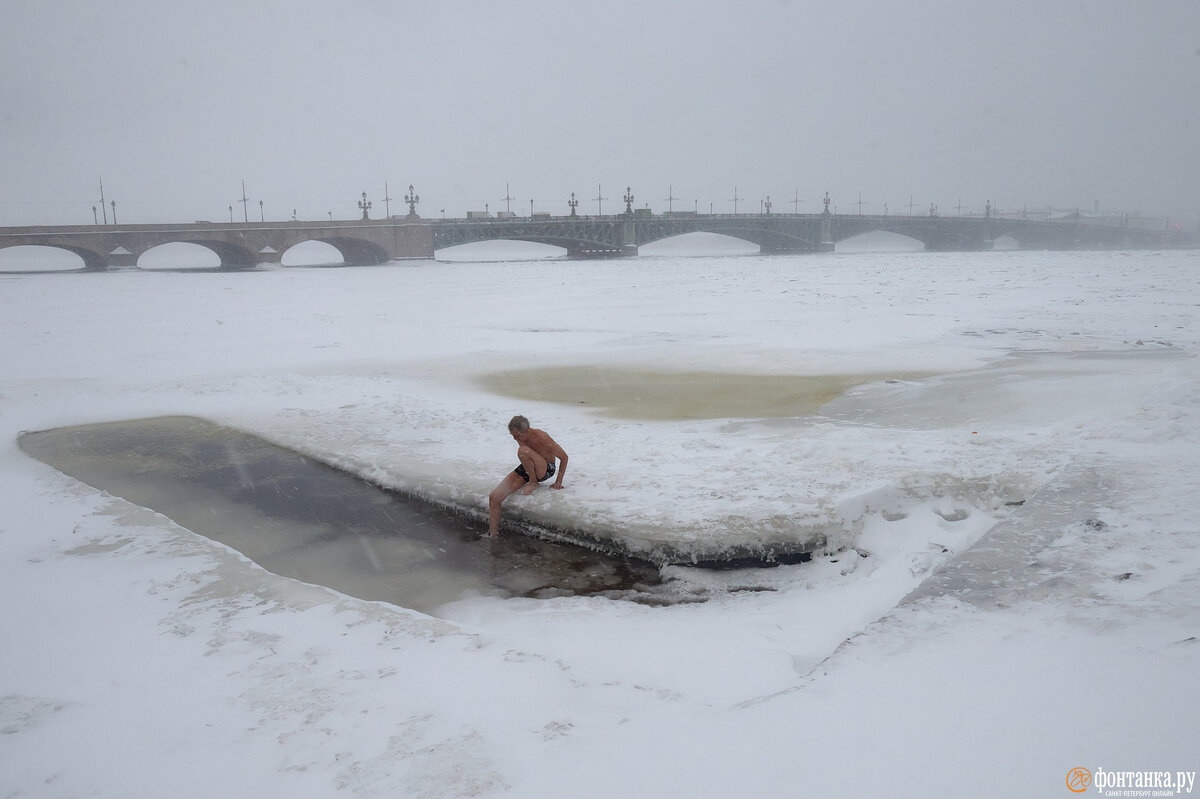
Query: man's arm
(555,451)
(561,454)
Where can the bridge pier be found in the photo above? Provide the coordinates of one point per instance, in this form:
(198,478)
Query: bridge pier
(269,255)
(601,251)
(121,258)
(827,243)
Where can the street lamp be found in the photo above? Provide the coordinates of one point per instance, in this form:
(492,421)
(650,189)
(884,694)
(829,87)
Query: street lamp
(628,200)
(412,198)
(572,204)
(262,217)
(364,205)
(114,207)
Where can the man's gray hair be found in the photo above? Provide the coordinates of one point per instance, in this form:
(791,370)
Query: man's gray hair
(518,423)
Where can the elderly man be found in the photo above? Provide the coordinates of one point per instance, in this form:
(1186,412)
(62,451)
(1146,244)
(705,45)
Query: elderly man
(536,451)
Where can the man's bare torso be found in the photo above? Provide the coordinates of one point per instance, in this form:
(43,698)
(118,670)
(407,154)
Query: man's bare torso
(540,442)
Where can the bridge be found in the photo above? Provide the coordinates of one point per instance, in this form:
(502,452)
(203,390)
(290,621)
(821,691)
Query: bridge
(241,245)
(623,234)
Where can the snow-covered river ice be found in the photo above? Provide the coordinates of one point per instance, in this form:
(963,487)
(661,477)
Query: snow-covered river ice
(993,457)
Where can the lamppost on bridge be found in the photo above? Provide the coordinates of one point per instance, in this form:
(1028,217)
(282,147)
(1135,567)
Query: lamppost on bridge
(826,203)
(572,204)
(412,198)
(231,214)
(767,205)
(628,201)
(95,219)
(262,216)
(364,205)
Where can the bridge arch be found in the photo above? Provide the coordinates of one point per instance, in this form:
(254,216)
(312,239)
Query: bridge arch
(879,241)
(233,256)
(771,234)
(699,243)
(47,258)
(501,250)
(357,251)
(172,255)
(312,252)
(581,236)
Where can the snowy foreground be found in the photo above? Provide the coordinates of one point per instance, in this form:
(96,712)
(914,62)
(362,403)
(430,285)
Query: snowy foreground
(1021,461)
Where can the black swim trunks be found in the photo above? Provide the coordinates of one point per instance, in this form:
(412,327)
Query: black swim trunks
(524,475)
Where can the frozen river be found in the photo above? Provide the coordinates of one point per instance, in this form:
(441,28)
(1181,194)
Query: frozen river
(1009,437)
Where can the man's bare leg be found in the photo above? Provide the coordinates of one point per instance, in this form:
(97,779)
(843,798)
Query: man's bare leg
(507,487)
(535,467)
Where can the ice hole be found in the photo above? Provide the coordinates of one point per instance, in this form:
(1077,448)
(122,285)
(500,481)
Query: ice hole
(304,519)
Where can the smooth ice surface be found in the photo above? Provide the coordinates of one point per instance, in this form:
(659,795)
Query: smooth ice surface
(666,395)
(1040,468)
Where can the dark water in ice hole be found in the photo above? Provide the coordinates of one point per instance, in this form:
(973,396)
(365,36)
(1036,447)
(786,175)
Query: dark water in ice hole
(300,518)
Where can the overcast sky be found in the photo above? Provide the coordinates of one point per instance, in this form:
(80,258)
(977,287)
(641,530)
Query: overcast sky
(1064,103)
